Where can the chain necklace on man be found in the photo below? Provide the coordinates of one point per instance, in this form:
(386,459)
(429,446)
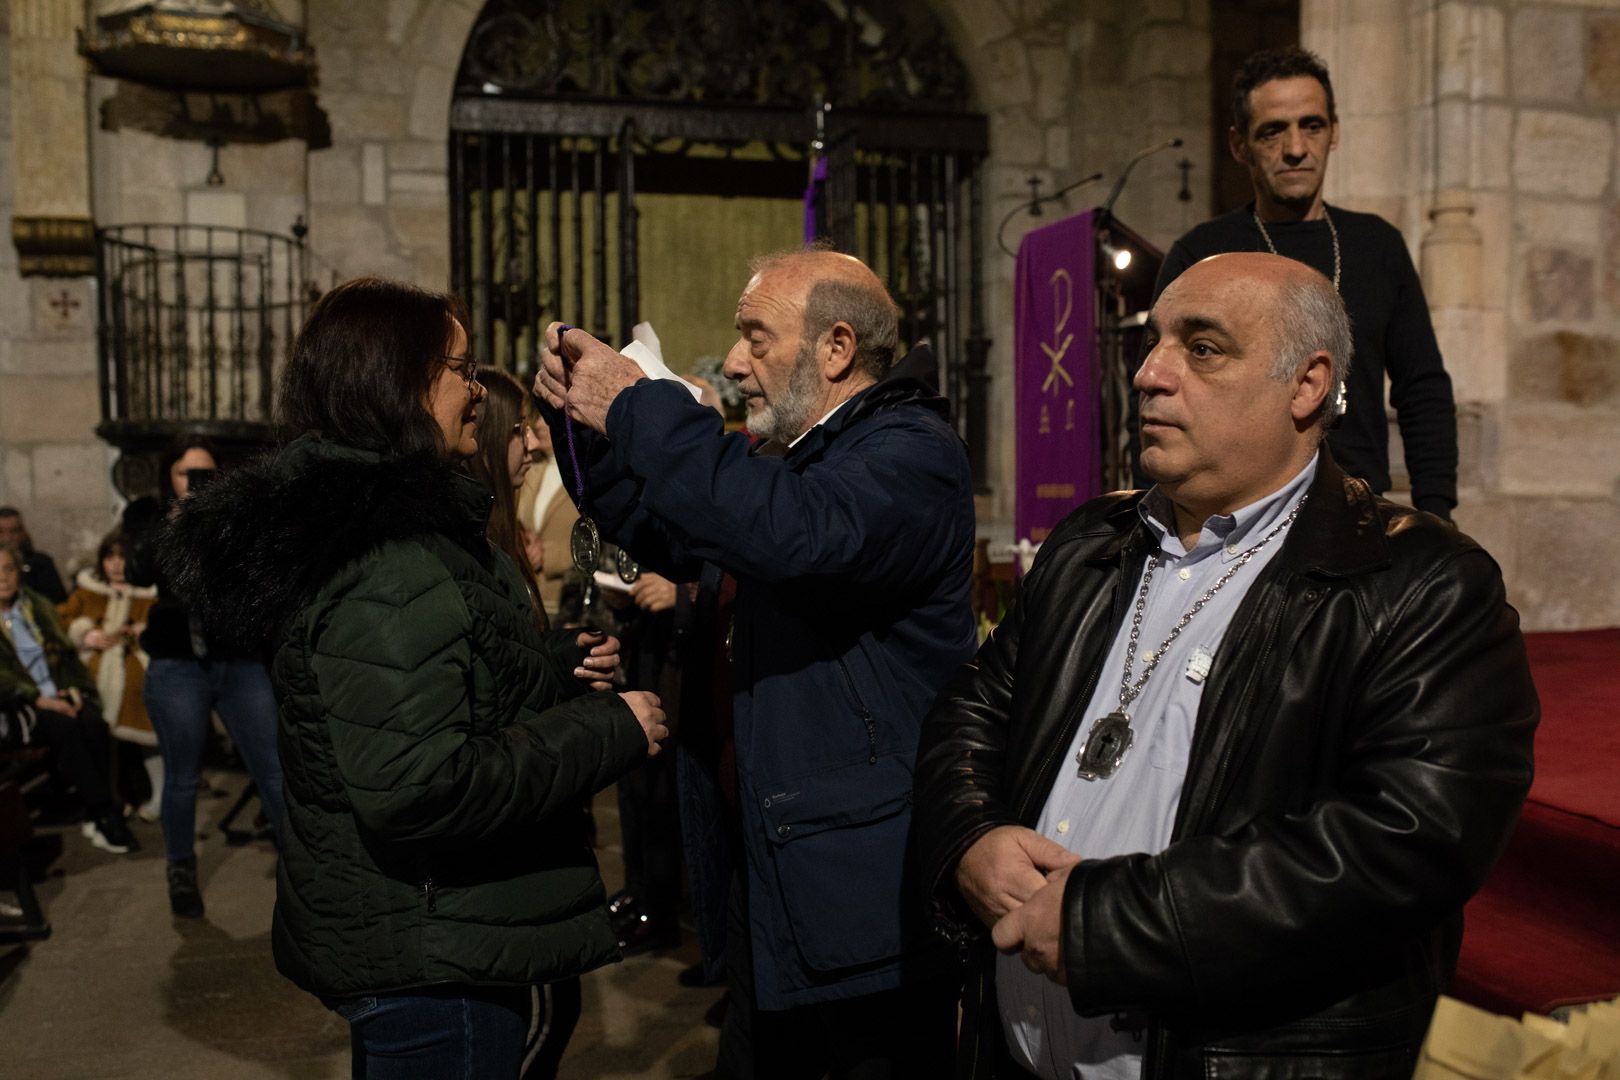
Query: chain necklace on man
(1341,403)
(1333,232)
(1111,736)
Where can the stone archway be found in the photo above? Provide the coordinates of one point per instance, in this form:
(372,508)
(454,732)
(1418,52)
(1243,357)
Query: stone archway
(1067,88)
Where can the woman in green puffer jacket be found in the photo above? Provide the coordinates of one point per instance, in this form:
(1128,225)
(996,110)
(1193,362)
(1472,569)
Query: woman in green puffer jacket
(436,743)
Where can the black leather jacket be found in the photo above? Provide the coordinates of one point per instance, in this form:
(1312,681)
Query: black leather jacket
(1361,752)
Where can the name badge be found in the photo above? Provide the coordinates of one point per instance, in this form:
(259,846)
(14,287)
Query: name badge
(1198,665)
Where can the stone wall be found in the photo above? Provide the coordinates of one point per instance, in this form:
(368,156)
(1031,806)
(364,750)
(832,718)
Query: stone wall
(1072,89)
(1500,116)
(1486,131)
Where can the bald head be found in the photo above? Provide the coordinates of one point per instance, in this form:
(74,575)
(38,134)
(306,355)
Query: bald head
(1302,309)
(833,288)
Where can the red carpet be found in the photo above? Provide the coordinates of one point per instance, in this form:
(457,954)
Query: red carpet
(1578,742)
(1545,930)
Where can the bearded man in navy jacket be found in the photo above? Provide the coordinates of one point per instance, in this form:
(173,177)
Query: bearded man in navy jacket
(851,539)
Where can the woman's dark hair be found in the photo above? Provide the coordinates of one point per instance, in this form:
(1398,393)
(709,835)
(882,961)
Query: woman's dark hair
(177,450)
(113,541)
(362,367)
(499,418)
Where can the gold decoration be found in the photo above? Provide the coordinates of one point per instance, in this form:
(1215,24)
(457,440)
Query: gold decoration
(225,45)
(54,246)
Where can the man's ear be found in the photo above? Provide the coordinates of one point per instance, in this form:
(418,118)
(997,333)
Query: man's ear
(1333,136)
(1313,388)
(838,359)
(1236,144)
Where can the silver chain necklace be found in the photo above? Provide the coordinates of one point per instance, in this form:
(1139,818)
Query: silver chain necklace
(1332,231)
(1111,736)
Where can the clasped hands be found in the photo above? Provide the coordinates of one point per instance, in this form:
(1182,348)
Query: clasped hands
(582,376)
(1013,879)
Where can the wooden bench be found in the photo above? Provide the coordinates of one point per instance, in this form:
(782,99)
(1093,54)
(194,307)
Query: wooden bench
(20,770)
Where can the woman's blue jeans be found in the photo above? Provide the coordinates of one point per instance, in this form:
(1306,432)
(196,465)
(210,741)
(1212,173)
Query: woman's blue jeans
(448,1032)
(180,695)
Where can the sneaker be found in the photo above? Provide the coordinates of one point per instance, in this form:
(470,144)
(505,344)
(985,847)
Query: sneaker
(109,833)
(148,812)
(185,899)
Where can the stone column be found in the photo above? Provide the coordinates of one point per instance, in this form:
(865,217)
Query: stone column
(51,463)
(1468,135)
(51,224)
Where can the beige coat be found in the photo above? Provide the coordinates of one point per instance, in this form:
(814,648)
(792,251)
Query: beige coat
(554,522)
(120,671)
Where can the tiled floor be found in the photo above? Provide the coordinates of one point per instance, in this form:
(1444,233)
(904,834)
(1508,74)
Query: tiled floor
(121,989)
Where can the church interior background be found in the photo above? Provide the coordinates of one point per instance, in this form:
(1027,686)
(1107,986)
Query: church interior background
(1485,129)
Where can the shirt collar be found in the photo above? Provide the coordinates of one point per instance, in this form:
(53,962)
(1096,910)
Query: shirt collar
(818,423)
(1232,531)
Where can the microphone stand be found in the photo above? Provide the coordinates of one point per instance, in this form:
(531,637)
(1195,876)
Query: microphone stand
(1034,206)
(1116,388)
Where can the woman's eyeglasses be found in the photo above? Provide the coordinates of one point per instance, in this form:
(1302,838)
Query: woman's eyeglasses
(465,366)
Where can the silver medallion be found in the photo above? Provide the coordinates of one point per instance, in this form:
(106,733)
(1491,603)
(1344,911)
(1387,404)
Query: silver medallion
(628,569)
(585,544)
(1105,747)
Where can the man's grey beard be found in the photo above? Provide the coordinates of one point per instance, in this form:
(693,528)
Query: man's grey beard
(786,418)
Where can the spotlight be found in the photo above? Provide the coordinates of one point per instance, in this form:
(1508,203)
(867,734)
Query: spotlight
(1118,257)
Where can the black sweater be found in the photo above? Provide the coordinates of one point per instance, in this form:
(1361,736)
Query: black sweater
(1390,322)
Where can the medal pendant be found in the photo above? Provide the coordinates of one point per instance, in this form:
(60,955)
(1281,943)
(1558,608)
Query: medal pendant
(585,544)
(1105,747)
(628,570)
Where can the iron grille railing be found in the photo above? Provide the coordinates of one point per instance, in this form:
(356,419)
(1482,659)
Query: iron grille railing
(544,223)
(195,321)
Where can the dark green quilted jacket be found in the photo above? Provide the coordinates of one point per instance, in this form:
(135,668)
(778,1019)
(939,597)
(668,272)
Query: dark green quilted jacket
(436,748)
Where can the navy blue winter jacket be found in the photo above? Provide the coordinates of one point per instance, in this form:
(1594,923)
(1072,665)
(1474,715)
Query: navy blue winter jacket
(853,556)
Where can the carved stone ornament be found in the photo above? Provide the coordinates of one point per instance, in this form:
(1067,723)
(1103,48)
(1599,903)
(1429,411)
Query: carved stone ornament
(225,45)
(871,54)
(54,246)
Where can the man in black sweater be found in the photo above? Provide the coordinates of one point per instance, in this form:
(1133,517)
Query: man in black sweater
(1283,128)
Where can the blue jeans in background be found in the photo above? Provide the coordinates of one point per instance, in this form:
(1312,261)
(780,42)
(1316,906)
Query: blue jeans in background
(444,1032)
(180,695)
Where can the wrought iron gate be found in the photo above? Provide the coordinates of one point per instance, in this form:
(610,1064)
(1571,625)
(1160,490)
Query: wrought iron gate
(545,163)
(531,223)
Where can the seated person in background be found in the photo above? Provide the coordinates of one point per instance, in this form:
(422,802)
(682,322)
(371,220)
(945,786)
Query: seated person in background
(104,618)
(40,673)
(39,570)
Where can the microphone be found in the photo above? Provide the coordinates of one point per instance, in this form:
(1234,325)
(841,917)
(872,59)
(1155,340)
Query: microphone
(1034,207)
(1125,174)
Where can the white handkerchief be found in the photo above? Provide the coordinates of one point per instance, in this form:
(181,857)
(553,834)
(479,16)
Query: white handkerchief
(611,582)
(648,354)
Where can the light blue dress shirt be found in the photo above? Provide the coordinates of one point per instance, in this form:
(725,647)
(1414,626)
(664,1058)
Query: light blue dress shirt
(29,650)
(1134,810)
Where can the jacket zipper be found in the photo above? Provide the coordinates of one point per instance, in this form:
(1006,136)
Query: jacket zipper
(430,893)
(862,711)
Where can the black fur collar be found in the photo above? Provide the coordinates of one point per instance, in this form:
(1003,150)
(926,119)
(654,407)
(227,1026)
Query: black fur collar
(247,551)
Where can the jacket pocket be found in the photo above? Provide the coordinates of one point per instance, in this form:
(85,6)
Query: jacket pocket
(1381,1064)
(838,841)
